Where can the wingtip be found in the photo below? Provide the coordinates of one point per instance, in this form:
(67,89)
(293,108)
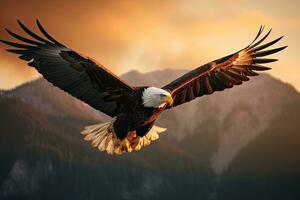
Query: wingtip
(261,28)
(7,30)
(19,21)
(5,42)
(278,39)
(267,68)
(9,50)
(44,32)
(21,24)
(270,30)
(37,21)
(271,60)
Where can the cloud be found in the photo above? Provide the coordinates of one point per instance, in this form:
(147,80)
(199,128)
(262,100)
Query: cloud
(146,35)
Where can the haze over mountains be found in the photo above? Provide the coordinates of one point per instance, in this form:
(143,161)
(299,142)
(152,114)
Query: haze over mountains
(215,147)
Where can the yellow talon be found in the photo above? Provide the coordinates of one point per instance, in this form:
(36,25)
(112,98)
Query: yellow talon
(135,141)
(125,145)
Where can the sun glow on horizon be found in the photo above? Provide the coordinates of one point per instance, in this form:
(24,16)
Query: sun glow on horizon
(147,36)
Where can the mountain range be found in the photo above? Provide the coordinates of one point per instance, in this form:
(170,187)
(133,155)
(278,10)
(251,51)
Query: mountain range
(241,143)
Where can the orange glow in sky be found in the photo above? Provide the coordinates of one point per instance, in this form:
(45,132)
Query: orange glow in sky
(150,35)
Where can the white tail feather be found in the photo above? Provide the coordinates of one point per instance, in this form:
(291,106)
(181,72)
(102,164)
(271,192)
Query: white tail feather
(103,137)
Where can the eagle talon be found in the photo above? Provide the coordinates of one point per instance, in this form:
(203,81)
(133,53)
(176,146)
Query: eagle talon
(135,141)
(125,145)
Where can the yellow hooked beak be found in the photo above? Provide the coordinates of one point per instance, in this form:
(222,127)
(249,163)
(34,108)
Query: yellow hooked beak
(169,100)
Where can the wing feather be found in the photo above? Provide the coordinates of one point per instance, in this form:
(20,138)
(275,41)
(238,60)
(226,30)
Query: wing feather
(225,72)
(76,74)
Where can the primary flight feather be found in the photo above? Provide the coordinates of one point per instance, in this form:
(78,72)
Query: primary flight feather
(134,109)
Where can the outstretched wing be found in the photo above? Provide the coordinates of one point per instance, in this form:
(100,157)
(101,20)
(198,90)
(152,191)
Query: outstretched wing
(224,72)
(76,74)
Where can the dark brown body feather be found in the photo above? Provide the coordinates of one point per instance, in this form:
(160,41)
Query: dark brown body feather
(133,116)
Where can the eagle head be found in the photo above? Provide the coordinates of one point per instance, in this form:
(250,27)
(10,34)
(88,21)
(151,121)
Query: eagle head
(156,98)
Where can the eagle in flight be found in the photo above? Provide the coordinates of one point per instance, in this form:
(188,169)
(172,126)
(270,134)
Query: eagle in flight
(134,109)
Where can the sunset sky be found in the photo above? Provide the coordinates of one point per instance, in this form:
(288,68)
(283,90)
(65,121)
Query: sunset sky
(150,35)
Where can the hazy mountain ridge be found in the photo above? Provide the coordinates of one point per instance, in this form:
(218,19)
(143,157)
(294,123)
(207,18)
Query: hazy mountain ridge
(268,167)
(239,114)
(51,100)
(40,136)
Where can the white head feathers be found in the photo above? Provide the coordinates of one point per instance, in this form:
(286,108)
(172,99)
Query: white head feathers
(155,97)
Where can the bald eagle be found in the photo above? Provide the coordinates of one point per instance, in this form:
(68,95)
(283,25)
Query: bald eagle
(134,109)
